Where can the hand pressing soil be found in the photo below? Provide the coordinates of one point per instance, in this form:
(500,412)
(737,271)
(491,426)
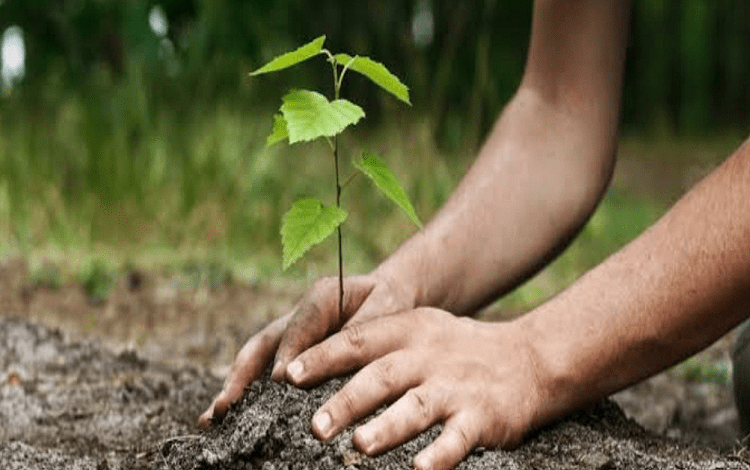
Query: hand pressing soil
(78,405)
(269,429)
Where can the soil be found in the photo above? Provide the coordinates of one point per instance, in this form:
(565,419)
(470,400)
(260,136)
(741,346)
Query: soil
(128,398)
(269,430)
(70,404)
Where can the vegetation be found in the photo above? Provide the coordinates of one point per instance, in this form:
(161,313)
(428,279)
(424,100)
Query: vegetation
(136,137)
(307,116)
(686,70)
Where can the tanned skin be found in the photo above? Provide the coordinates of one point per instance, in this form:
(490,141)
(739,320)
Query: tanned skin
(669,293)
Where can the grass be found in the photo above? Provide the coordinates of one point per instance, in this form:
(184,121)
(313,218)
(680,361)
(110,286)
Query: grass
(91,187)
(158,190)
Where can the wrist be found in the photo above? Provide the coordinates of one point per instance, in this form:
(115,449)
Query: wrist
(557,380)
(401,281)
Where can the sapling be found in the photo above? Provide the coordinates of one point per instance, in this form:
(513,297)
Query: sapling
(308,115)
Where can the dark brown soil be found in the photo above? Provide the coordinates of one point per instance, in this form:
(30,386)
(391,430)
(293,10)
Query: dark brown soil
(129,397)
(66,404)
(269,430)
(70,404)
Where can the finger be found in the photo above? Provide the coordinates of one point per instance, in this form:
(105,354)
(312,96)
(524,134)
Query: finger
(384,299)
(353,347)
(460,436)
(414,412)
(248,366)
(316,316)
(379,383)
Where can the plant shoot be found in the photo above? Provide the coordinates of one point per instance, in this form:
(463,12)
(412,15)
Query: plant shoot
(307,115)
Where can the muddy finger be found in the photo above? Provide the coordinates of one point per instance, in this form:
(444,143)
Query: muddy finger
(458,438)
(317,316)
(379,383)
(248,366)
(411,414)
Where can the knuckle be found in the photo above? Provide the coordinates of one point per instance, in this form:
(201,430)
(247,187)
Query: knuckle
(354,336)
(348,402)
(421,403)
(384,373)
(322,300)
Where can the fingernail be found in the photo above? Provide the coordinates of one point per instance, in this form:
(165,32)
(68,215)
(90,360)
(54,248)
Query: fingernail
(322,421)
(295,370)
(422,462)
(366,439)
(204,420)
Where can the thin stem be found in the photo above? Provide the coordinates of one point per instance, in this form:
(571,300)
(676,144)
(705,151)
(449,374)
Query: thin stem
(336,81)
(337,90)
(343,72)
(338,229)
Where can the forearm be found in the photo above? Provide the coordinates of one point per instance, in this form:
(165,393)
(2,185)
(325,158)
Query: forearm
(668,294)
(533,185)
(540,173)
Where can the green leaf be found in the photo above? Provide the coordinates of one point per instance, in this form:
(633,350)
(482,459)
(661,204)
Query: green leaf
(310,115)
(383,178)
(279,132)
(378,73)
(306,224)
(309,50)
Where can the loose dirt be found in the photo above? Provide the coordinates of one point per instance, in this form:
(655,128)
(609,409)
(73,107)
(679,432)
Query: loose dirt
(269,430)
(104,391)
(77,405)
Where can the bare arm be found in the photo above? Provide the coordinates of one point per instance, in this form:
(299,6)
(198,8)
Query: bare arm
(533,185)
(540,173)
(668,294)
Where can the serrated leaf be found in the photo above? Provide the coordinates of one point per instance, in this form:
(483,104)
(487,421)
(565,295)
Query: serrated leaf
(310,115)
(309,50)
(306,224)
(378,73)
(383,178)
(279,132)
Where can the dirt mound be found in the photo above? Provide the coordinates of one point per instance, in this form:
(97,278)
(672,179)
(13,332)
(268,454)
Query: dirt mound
(269,430)
(76,405)
(68,405)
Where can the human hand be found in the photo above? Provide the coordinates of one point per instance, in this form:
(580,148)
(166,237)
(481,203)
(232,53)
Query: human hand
(477,379)
(315,317)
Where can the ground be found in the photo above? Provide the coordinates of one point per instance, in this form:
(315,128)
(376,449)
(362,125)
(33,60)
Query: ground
(119,384)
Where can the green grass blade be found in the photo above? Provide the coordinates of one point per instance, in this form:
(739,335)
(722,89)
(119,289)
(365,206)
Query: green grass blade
(309,50)
(378,73)
(383,178)
(306,224)
(279,132)
(310,115)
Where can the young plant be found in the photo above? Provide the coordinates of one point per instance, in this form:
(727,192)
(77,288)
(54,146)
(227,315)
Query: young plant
(307,115)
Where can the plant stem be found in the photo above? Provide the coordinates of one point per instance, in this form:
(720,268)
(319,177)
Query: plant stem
(338,229)
(337,91)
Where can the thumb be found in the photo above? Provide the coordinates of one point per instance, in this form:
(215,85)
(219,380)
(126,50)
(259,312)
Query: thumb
(317,316)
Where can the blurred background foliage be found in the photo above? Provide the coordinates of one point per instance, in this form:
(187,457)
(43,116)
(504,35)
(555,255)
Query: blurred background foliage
(132,126)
